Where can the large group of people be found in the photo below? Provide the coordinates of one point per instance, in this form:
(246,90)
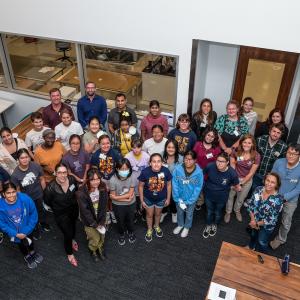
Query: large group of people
(81,170)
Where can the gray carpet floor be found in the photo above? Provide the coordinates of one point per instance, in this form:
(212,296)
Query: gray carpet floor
(167,268)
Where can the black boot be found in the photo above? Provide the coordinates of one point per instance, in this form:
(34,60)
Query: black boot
(94,256)
(101,255)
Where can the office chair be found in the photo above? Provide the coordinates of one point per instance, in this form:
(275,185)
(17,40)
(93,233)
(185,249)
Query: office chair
(63,47)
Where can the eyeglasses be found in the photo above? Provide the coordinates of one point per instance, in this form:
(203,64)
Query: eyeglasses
(292,154)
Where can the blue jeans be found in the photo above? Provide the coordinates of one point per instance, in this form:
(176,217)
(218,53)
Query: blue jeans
(259,239)
(214,206)
(188,214)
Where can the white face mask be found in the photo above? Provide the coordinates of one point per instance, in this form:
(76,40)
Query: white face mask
(123,173)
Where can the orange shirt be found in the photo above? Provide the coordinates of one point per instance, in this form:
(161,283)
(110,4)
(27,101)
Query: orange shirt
(49,158)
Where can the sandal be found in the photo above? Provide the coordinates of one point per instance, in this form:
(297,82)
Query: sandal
(73,260)
(74,245)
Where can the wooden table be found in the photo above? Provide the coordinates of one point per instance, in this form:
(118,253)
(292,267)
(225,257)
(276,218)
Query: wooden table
(104,80)
(240,269)
(40,73)
(4,105)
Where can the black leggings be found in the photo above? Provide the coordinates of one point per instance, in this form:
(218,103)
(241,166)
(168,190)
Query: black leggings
(67,224)
(24,247)
(125,217)
(172,207)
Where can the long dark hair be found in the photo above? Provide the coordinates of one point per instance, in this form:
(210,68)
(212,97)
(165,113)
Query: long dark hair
(208,129)
(199,114)
(275,110)
(21,151)
(90,176)
(120,163)
(165,155)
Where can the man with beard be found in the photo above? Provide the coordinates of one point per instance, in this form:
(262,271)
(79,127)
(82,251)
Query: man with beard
(91,105)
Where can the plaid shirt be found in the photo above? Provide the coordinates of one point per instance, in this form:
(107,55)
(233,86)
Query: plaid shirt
(269,154)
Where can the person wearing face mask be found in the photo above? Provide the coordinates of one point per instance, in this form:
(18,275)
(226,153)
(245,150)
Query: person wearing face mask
(59,195)
(204,117)
(183,135)
(123,136)
(231,127)
(91,105)
(66,128)
(156,144)
(249,114)
(153,118)
(49,154)
(270,147)
(276,116)
(288,169)
(9,148)
(123,200)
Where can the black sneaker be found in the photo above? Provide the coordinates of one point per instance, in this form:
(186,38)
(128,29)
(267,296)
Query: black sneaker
(198,207)
(45,227)
(131,238)
(37,234)
(94,256)
(121,240)
(101,255)
(206,231)
(38,258)
(213,230)
(31,264)
(1,237)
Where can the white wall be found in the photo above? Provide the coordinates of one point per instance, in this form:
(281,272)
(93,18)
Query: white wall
(167,26)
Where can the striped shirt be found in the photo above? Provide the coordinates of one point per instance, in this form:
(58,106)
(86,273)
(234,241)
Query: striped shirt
(269,154)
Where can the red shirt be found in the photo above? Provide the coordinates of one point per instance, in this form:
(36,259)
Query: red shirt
(51,117)
(148,122)
(205,156)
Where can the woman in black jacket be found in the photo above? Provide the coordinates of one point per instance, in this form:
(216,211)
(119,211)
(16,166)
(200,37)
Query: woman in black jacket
(60,196)
(92,200)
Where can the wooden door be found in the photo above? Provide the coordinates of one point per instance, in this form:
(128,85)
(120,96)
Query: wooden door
(266,76)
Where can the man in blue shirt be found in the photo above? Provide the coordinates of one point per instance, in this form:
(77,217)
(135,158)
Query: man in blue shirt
(289,171)
(91,105)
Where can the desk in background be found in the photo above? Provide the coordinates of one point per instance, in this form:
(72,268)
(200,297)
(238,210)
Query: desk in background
(238,268)
(4,106)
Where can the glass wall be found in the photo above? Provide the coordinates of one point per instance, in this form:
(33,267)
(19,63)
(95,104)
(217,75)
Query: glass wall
(2,78)
(38,64)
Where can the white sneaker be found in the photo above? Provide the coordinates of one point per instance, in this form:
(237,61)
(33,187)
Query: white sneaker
(174,218)
(162,217)
(177,229)
(108,220)
(184,232)
(113,217)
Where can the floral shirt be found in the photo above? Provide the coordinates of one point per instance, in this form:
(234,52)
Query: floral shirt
(223,124)
(267,210)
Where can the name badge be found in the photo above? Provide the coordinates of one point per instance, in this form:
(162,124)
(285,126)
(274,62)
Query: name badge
(236,132)
(185,181)
(71,187)
(209,155)
(128,135)
(256,197)
(161,175)
(240,158)
(102,156)
(202,125)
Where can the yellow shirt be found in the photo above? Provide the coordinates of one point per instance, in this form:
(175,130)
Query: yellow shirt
(125,143)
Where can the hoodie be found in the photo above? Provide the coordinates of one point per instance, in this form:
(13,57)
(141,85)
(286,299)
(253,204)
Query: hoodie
(186,188)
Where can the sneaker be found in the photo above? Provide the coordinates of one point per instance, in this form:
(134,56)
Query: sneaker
(113,217)
(177,229)
(131,238)
(213,230)
(121,240)
(1,237)
(38,258)
(158,232)
(31,264)
(94,256)
(36,234)
(239,216)
(108,220)
(148,236)
(162,217)
(227,217)
(206,231)
(45,227)
(184,232)
(198,207)
(101,255)
(275,244)
(174,218)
